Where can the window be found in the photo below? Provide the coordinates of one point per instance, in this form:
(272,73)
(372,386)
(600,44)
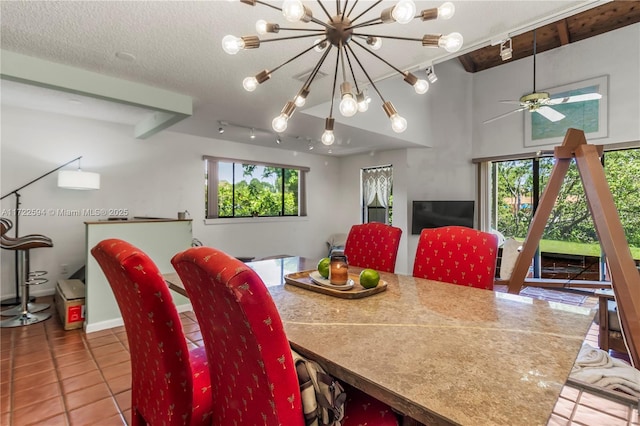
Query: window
(377,194)
(569,248)
(237,188)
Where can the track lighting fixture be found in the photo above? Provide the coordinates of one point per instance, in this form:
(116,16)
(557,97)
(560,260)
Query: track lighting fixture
(431,74)
(344,32)
(506,51)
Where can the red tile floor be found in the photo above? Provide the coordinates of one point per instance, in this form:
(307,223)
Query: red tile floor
(49,376)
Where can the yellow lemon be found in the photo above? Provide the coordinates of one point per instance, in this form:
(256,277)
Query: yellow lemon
(369,278)
(323,267)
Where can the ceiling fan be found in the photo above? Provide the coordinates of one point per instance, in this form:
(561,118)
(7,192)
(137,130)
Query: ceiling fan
(541,102)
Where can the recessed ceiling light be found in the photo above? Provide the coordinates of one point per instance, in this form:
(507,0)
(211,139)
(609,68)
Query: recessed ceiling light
(126,56)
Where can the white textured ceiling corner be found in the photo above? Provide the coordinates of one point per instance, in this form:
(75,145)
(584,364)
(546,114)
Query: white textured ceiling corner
(177,49)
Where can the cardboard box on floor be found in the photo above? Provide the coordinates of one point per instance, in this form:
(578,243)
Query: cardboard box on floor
(69,300)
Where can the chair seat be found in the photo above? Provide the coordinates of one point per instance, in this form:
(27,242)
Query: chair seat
(201,414)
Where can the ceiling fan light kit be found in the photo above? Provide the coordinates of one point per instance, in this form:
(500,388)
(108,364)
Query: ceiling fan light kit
(342,31)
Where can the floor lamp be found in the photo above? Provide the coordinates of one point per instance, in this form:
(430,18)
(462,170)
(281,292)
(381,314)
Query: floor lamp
(71,179)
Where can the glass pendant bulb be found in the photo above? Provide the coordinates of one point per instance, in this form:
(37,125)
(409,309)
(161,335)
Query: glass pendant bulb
(320,45)
(446,10)
(348,105)
(451,43)
(261,27)
(375,43)
(250,84)
(293,10)
(232,44)
(421,87)
(404,11)
(279,124)
(363,102)
(328,137)
(398,123)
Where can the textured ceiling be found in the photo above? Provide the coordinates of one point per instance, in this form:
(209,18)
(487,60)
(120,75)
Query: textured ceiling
(177,47)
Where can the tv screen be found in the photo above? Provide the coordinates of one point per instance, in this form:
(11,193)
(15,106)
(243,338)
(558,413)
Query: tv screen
(434,214)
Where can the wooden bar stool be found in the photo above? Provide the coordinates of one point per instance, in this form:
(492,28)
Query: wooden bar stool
(25,313)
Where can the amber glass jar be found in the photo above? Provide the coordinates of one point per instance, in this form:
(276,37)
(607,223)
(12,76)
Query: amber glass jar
(338,269)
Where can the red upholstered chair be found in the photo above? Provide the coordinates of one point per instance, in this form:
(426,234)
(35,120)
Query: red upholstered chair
(457,255)
(252,372)
(170,384)
(373,245)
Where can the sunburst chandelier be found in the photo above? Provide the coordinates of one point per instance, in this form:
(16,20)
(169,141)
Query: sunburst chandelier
(342,32)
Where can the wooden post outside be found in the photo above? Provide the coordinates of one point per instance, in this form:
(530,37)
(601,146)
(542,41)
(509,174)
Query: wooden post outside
(625,279)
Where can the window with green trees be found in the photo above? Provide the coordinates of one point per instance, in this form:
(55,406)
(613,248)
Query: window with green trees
(570,231)
(236,188)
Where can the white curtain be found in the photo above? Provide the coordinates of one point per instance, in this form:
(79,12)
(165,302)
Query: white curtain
(377,183)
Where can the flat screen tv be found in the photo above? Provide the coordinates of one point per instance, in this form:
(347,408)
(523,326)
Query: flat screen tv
(434,214)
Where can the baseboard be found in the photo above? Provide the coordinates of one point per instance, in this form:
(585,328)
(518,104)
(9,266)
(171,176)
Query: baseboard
(184,308)
(103,325)
(118,322)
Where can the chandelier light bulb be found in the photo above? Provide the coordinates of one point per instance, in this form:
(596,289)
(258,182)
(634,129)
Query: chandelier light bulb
(320,45)
(232,44)
(250,84)
(279,124)
(261,27)
(328,137)
(451,43)
(398,123)
(421,87)
(348,105)
(363,102)
(404,11)
(293,10)
(375,43)
(446,10)
(299,101)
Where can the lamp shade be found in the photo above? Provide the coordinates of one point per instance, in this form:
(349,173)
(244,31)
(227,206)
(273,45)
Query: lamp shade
(77,179)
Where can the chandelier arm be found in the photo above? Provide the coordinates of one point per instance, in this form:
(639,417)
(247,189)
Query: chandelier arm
(388,37)
(337,7)
(370,22)
(380,58)
(353,75)
(352,7)
(291,59)
(314,72)
(335,78)
(341,51)
(301,29)
(366,74)
(288,38)
(269,5)
(344,9)
(324,9)
(366,10)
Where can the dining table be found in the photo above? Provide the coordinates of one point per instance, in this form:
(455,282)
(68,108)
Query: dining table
(437,353)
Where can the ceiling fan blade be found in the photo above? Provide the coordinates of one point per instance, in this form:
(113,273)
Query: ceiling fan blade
(503,115)
(550,113)
(510,102)
(575,98)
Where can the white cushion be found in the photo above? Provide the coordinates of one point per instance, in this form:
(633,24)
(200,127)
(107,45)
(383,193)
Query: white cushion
(510,252)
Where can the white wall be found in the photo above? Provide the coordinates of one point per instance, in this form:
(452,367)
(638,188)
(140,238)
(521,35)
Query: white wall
(156,177)
(616,54)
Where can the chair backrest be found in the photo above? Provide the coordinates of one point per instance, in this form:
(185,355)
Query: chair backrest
(252,372)
(457,255)
(162,380)
(373,245)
